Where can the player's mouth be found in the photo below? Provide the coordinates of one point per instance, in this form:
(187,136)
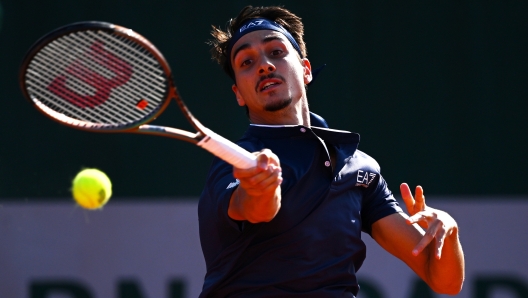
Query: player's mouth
(268,84)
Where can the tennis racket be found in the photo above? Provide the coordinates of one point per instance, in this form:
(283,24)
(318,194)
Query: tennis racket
(100,77)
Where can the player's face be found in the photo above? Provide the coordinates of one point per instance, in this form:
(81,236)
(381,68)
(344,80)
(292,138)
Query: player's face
(270,76)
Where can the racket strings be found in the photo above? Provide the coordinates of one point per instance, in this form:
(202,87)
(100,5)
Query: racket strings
(101,78)
(121,92)
(127,47)
(113,107)
(74,83)
(140,58)
(41,87)
(50,61)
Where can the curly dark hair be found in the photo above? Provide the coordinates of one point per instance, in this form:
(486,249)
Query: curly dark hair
(282,16)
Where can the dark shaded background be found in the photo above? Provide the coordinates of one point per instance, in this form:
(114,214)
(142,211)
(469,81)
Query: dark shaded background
(436,89)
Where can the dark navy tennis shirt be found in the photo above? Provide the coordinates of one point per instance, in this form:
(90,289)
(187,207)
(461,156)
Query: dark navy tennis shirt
(313,246)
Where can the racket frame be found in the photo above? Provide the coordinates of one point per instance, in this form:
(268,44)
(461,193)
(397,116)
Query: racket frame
(171,91)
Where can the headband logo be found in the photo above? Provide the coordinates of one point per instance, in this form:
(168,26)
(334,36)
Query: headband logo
(251,24)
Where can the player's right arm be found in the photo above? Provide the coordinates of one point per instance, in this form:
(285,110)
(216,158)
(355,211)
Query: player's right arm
(258,196)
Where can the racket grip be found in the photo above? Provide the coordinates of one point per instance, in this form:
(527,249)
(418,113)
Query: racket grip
(227,150)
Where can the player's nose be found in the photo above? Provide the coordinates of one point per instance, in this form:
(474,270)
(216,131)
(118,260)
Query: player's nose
(265,66)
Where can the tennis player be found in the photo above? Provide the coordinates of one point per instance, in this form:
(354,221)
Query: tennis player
(291,226)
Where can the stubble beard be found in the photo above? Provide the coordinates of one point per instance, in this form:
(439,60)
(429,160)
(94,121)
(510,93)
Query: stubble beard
(278,105)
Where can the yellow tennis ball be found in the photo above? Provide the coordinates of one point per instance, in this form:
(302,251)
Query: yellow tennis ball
(91,188)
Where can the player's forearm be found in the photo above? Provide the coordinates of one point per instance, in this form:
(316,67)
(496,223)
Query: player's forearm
(254,208)
(446,275)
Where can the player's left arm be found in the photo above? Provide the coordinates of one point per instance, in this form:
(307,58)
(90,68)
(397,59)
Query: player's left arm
(427,242)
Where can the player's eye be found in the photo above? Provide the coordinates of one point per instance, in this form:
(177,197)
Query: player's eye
(276,52)
(245,62)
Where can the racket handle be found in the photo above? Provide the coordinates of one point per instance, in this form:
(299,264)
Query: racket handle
(227,150)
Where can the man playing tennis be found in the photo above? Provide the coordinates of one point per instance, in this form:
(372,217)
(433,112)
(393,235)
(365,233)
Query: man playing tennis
(291,226)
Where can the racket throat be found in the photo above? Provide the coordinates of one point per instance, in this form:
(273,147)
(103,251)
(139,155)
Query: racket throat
(170,133)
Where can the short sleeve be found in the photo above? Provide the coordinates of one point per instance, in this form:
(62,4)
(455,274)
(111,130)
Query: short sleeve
(378,202)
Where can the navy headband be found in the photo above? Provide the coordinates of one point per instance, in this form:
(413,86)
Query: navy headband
(260,24)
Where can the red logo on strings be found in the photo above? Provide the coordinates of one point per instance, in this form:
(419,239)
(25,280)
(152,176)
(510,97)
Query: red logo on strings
(96,54)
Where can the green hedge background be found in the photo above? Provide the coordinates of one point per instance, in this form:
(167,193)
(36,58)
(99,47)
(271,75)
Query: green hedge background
(437,90)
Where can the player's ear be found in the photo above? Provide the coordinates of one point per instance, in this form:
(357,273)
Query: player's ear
(239,98)
(307,70)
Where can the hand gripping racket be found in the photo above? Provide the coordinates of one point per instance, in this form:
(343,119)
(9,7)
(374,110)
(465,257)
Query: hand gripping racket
(101,77)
